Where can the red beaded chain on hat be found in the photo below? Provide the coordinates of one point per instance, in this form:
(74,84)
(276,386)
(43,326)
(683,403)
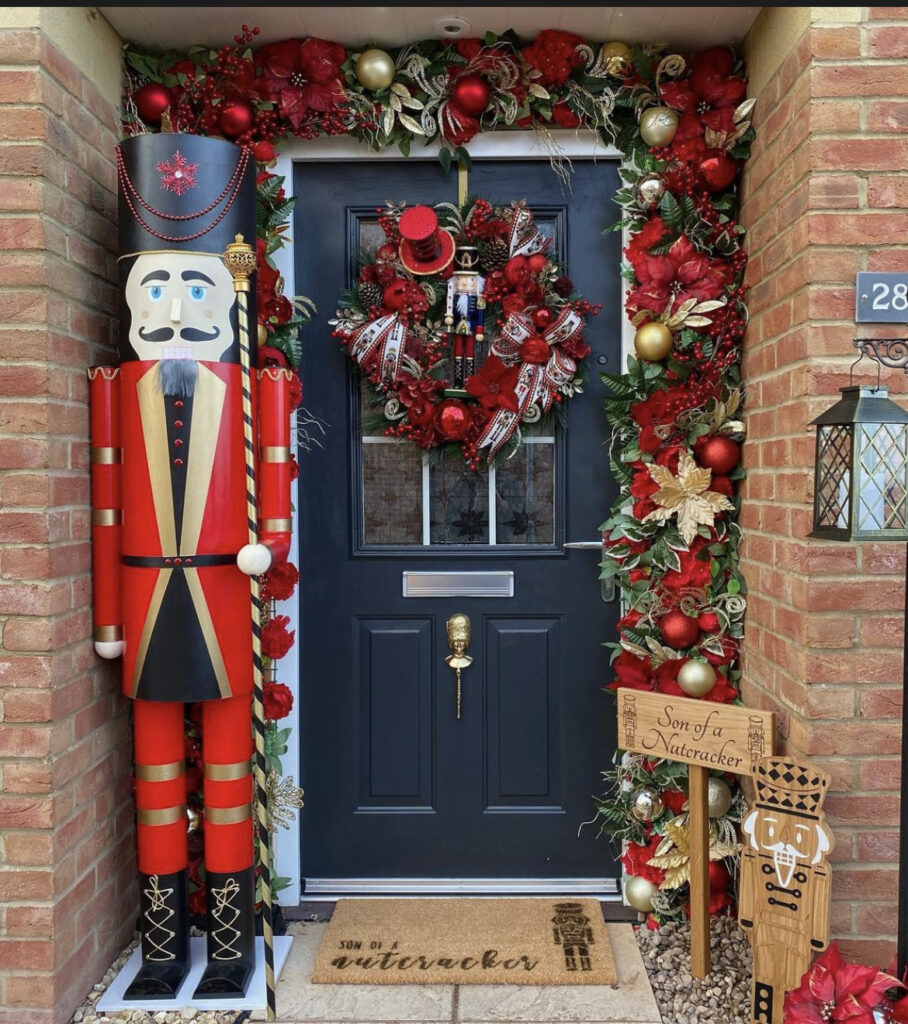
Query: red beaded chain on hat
(230,192)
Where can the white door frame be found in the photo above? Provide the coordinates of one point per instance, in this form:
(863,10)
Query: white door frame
(502,145)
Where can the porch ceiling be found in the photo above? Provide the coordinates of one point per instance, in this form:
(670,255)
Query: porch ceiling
(683,28)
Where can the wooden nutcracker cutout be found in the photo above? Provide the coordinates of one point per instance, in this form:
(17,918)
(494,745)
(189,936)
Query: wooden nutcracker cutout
(171,554)
(785,883)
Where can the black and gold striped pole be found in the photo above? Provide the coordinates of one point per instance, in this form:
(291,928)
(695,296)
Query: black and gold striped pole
(240,261)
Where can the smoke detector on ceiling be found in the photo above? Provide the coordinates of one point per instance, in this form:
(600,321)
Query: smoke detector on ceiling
(449,26)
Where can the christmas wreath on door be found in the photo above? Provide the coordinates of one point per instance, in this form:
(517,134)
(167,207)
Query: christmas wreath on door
(464,330)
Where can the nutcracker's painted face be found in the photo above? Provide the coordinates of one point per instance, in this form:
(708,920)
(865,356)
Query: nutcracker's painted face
(790,840)
(179,305)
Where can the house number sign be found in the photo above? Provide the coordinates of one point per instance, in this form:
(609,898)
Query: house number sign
(881,298)
(705,735)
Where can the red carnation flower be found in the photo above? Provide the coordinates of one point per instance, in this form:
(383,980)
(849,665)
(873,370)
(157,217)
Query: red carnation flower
(276,638)
(268,355)
(302,76)
(296,391)
(494,385)
(278,701)
(564,116)
(264,152)
(279,583)
(636,858)
(554,53)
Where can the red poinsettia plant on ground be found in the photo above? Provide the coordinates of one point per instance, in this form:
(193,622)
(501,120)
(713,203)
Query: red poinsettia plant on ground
(833,990)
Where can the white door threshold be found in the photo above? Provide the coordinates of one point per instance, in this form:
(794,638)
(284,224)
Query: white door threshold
(318,889)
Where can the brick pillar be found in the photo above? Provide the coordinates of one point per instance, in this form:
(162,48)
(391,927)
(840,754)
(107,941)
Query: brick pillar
(67,894)
(825,196)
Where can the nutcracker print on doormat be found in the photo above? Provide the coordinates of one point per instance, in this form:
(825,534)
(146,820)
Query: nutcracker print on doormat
(785,882)
(174,508)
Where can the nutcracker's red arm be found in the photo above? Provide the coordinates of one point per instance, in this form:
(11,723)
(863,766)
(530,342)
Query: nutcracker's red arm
(274,461)
(106,507)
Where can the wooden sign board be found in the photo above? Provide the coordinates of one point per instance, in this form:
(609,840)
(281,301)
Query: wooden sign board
(700,732)
(706,736)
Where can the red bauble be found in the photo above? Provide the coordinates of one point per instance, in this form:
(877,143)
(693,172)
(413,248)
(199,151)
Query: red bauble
(235,119)
(719,453)
(151,102)
(393,296)
(718,875)
(679,630)
(452,419)
(718,169)
(470,95)
(534,350)
(542,318)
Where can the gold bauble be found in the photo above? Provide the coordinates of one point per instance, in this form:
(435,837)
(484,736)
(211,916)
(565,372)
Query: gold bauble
(374,69)
(646,804)
(696,678)
(262,334)
(658,126)
(639,893)
(653,341)
(650,189)
(617,58)
(719,798)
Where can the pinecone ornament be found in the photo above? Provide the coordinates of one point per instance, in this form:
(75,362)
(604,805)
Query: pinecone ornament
(493,255)
(370,294)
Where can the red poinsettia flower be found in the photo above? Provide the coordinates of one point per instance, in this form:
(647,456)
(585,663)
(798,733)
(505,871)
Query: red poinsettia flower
(494,385)
(277,700)
(632,672)
(279,583)
(706,100)
(276,638)
(272,306)
(833,990)
(693,572)
(666,282)
(302,76)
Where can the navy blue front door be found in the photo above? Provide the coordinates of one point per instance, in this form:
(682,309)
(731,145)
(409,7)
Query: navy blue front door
(396,786)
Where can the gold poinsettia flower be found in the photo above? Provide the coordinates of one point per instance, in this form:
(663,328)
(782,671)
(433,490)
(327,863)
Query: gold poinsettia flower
(673,853)
(686,496)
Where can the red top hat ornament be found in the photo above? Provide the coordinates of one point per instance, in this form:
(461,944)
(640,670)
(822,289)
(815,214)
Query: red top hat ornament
(425,248)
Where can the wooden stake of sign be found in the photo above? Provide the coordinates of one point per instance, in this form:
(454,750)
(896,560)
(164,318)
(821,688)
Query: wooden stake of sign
(703,735)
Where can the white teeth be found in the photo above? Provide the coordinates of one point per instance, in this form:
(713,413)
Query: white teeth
(176,352)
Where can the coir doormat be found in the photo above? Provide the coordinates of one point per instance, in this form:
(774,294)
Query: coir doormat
(465,942)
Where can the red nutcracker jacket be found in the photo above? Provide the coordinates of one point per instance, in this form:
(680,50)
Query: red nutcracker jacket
(169,514)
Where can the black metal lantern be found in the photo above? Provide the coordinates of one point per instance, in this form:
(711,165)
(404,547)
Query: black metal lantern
(861,465)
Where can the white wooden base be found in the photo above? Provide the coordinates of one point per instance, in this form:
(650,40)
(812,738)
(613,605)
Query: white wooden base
(255,998)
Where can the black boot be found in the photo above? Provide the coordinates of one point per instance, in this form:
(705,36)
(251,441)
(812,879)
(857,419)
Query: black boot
(165,937)
(231,935)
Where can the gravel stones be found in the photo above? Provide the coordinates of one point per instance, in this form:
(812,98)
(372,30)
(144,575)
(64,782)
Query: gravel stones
(722,997)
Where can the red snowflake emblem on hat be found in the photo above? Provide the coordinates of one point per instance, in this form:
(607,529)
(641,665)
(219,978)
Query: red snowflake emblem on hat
(178,175)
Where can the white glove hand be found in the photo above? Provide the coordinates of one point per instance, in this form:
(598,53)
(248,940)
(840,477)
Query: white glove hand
(254,559)
(109,648)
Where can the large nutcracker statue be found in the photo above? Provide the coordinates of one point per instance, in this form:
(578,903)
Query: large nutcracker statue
(190,498)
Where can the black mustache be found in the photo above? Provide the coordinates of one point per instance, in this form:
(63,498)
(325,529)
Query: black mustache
(186,334)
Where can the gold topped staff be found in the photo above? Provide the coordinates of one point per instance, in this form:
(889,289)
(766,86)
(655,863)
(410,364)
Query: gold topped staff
(240,261)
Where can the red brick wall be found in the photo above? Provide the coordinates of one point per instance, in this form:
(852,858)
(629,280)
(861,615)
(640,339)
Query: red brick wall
(67,895)
(825,195)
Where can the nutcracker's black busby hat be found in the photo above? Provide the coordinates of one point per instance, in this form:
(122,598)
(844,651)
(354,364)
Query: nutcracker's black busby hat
(184,192)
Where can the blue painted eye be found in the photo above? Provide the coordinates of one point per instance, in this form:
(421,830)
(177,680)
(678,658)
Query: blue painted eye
(156,293)
(197,293)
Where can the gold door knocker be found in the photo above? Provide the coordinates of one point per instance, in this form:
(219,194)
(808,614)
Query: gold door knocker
(458,629)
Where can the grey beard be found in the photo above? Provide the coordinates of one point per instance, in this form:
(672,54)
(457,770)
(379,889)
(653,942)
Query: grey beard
(177,377)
